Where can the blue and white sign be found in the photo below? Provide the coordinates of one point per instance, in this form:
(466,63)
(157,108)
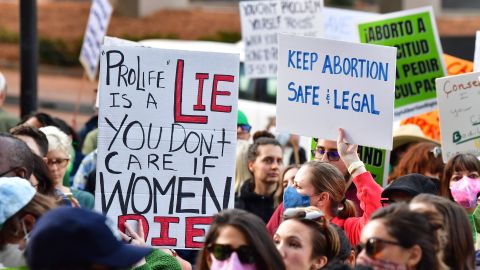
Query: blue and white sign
(97,26)
(326,84)
(341,24)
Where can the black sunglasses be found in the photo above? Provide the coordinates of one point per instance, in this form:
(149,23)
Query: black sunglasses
(373,246)
(331,155)
(386,202)
(246,254)
(301,213)
(245,128)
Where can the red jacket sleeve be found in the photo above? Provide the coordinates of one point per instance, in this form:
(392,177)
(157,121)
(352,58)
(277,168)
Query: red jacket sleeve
(369,194)
(275,220)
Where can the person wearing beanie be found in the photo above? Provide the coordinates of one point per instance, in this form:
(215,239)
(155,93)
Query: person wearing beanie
(243,127)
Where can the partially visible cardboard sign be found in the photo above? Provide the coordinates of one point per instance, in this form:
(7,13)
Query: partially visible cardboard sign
(261,21)
(97,27)
(458,103)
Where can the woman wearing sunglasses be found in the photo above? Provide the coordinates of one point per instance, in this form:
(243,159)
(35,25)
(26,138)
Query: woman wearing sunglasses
(397,238)
(238,240)
(325,186)
(455,232)
(305,239)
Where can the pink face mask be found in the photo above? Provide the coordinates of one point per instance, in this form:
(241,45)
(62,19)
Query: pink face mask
(232,263)
(379,264)
(465,191)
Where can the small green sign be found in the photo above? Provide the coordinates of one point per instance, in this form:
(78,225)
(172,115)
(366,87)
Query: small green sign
(376,160)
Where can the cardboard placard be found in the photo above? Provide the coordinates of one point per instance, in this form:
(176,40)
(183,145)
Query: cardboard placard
(458,98)
(341,24)
(167,139)
(419,57)
(261,21)
(97,27)
(338,84)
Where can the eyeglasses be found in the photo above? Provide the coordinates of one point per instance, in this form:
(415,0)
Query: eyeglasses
(301,213)
(387,202)
(60,162)
(246,254)
(332,155)
(9,171)
(245,128)
(374,246)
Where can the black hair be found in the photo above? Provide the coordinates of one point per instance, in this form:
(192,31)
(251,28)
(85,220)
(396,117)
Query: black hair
(255,232)
(17,153)
(34,133)
(411,228)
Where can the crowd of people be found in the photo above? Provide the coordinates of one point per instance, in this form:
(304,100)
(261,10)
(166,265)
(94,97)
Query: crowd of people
(290,213)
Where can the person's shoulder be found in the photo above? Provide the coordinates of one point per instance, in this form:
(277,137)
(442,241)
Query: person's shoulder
(159,260)
(86,199)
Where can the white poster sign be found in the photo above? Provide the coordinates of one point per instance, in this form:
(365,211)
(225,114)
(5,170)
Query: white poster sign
(97,26)
(458,98)
(167,138)
(341,24)
(325,84)
(476,59)
(261,21)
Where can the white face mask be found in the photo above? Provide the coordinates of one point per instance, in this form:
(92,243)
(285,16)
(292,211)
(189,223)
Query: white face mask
(12,255)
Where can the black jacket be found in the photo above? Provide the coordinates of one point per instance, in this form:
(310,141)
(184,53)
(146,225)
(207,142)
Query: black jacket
(262,206)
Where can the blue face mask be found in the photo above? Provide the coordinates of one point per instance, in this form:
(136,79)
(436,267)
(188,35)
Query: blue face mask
(293,199)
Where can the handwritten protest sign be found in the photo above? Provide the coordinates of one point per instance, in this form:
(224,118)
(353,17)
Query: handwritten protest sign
(261,21)
(338,84)
(167,138)
(97,26)
(458,98)
(419,57)
(341,24)
(376,161)
(476,59)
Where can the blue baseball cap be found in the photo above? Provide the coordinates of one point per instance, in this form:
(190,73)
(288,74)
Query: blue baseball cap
(15,193)
(66,237)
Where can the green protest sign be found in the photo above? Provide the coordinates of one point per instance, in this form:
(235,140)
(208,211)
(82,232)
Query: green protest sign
(419,57)
(376,161)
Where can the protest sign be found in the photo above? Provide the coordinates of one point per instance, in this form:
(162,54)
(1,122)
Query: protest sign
(376,161)
(167,139)
(419,57)
(458,98)
(338,84)
(456,65)
(97,26)
(261,21)
(341,24)
(476,59)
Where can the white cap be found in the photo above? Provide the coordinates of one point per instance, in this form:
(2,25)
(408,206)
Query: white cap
(15,193)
